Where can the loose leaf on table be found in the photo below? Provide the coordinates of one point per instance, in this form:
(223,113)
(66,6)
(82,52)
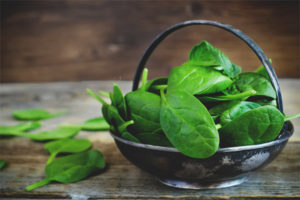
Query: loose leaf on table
(197,80)
(259,125)
(19,128)
(35,114)
(94,124)
(66,146)
(57,134)
(188,125)
(2,164)
(144,109)
(252,81)
(72,168)
(204,54)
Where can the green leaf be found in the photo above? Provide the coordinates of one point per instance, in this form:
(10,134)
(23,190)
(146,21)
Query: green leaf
(94,124)
(188,125)
(57,134)
(259,125)
(119,101)
(157,138)
(72,168)
(151,86)
(19,129)
(144,110)
(238,96)
(128,136)
(2,164)
(35,114)
(205,55)
(251,81)
(197,80)
(66,146)
(236,110)
(262,71)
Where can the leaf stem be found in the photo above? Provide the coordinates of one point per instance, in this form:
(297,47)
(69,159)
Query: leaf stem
(93,94)
(123,127)
(218,126)
(162,94)
(59,113)
(144,79)
(51,157)
(38,184)
(288,118)
(159,87)
(103,93)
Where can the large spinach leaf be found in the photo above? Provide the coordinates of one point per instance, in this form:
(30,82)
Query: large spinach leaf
(259,125)
(35,114)
(197,80)
(188,125)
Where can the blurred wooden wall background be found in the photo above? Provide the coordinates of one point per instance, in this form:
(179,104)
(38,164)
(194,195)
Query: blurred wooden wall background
(98,40)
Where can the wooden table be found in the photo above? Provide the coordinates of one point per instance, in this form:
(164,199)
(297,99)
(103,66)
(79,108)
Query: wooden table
(122,180)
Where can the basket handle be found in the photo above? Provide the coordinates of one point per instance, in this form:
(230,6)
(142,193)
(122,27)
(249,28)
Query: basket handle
(257,50)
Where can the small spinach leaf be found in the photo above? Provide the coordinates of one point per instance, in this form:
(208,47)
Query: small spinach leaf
(35,114)
(188,125)
(57,134)
(119,101)
(238,96)
(72,168)
(94,124)
(204,54)
(66,146)
(197,80)
(143,109)
(19,128)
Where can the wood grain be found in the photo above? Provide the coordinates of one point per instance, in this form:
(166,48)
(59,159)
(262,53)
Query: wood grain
(103,40)
(121,180)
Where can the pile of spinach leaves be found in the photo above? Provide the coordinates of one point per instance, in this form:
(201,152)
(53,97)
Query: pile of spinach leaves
(66,169)
(204,104)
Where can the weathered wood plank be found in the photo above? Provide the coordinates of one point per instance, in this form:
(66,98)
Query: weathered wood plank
(98,40)
(121,180)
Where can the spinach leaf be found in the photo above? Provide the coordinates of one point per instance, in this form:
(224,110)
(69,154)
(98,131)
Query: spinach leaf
(238,96)
(264,101)
(66,146)
(57,134)
(119,101)
(262,70)
(35,114)
(19,128)
(204,54)
(72,168)
(151,86)
(252,81)
(94,124)
(221,107)
(197,80)
(188,125)
(2,164)
(154,138)
(236,110)
(259,125)
(128,136)
(144,109)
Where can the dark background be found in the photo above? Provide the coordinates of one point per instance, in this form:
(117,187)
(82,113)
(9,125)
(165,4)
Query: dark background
(99,40)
